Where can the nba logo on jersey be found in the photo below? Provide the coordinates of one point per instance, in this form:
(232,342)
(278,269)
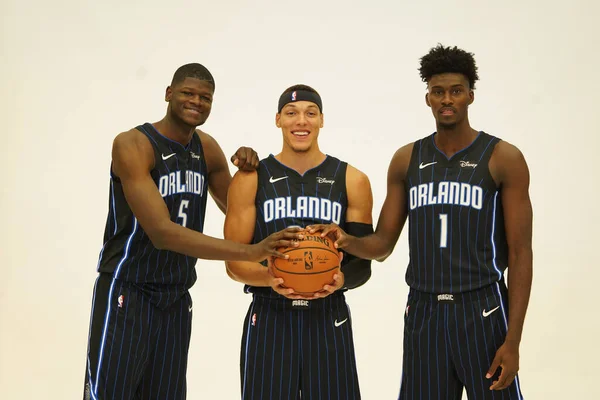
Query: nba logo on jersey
(254,319)
(294,96)
(120,300)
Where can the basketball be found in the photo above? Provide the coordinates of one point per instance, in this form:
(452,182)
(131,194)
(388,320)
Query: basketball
(310,266)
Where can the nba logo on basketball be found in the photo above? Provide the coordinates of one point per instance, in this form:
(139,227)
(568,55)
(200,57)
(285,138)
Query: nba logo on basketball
(254,319)
(121,301)
(308,260)
(294,96)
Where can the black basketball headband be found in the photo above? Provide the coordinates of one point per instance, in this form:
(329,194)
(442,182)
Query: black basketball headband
(300,95)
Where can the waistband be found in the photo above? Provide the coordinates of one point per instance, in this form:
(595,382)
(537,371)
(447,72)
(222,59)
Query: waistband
(495,289)
(299,304)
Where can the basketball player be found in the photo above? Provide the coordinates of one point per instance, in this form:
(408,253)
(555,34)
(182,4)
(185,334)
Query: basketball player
(142,311)
(470,218)
(294,346)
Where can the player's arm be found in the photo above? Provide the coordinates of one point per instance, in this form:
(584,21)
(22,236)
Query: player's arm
(219,177)
(240,221)
(359,223)
(509,170)
(132,161)
(380,244)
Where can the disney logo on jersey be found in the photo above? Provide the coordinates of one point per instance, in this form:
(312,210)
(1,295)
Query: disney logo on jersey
(456,193)
(302,207)
(194,155)
(178,182)
(321,179)
(465,164)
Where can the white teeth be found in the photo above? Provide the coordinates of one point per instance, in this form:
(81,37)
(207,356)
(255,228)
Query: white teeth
(301,133)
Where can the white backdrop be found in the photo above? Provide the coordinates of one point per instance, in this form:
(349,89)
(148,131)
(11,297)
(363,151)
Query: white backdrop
(75,74)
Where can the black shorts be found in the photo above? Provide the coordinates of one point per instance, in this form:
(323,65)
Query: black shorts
(294,349)
(136,350)
(450,342)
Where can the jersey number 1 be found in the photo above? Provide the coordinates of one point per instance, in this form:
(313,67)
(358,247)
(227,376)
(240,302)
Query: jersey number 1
(443,230)
(182,212)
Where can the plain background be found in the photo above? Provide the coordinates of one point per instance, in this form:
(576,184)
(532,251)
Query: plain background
(76,74)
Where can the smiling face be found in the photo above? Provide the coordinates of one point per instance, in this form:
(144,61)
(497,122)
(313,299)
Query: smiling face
(449,96)
(190,101)
(300,123)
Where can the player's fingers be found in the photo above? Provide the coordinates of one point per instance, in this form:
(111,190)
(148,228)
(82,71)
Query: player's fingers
(285,243)
(254,161)
(493,367)
(328,289)
(341,242)
(507,382)
(501,382)
(330,230)
(277,254)
(287,292)
(234,160)
(315,228)
(315,295)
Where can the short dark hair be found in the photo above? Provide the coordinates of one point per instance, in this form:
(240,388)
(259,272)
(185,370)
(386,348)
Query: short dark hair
(193,70)
(442,60)
(299,87)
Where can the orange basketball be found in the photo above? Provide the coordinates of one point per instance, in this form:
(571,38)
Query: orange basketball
(310,266)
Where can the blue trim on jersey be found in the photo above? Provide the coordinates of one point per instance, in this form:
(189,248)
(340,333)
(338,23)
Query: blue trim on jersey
(458,152)
(90,335)
(112,193)
(327,156)
(247,343)
(186,147)
(107,317)
(492,238)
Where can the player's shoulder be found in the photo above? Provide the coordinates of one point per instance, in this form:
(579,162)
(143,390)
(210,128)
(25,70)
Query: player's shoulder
(405,151)
(354,176)
(401,160)
(131,139)
(206,139)
(505,153)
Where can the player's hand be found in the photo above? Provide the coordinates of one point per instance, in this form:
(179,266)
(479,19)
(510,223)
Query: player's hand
(277,284)
(507,357)
(336,233)
(338,283)
(288,237)
(246,159)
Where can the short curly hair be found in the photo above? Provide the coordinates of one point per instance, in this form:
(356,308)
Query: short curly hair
(441,60)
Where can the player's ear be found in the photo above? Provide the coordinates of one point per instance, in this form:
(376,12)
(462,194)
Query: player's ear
(471,96)
(322,119)
(427,100)
(168,93)
(278,120)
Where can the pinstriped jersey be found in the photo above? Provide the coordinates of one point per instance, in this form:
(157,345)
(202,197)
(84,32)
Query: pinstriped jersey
(180,174)
(456,225)
(286,198)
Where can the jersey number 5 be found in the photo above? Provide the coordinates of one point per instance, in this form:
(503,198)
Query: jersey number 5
(443,230)
(182,212)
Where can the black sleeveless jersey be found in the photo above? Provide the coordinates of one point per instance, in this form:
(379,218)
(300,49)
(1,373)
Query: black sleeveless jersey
(180,175)
(456,225)
(285,198)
